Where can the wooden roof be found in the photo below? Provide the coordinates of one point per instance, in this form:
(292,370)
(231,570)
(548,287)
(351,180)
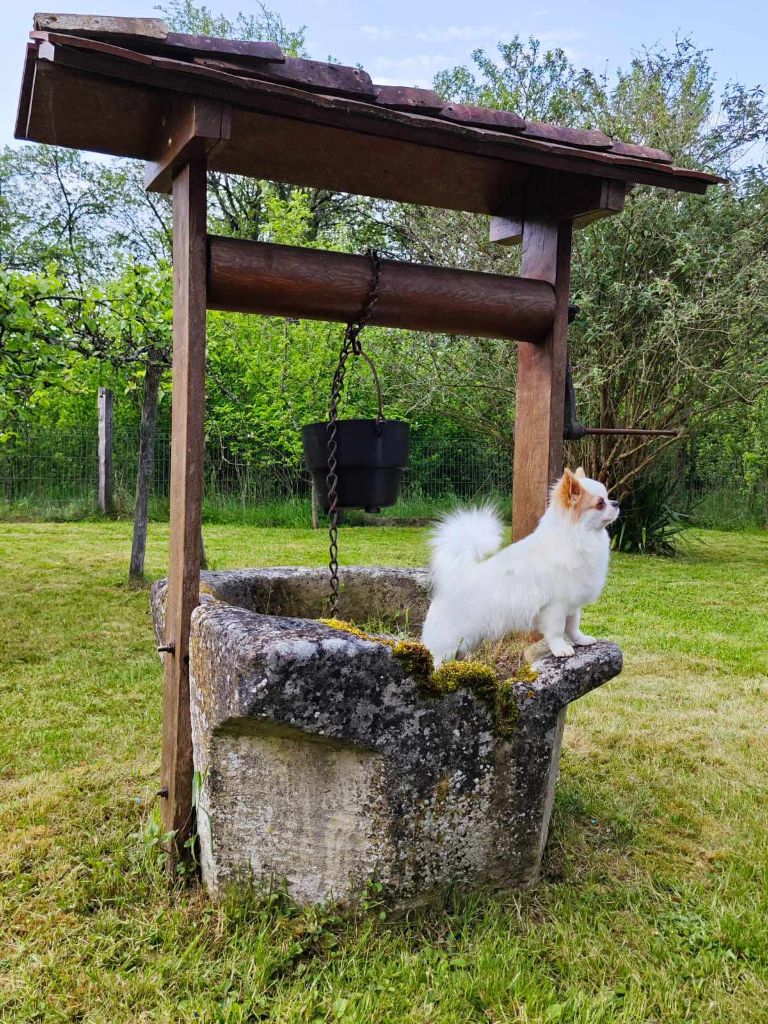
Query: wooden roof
(112,85)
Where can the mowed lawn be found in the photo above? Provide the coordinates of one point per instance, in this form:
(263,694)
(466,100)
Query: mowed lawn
(654,907)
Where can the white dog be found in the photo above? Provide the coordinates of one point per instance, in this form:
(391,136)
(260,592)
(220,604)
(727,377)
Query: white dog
(540,583)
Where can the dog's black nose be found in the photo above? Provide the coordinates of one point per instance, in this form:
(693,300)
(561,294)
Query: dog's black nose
(615,504)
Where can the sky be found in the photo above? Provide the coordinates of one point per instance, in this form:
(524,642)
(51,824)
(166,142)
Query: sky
(406,43)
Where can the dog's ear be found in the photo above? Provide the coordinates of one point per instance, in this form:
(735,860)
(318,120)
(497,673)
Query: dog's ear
(580,474)
(571,486)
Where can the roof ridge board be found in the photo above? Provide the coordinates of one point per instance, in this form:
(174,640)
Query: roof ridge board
(91,44)
(314,74)
(229,49)
(605,161)
(641,152)
(587,138)
(407,98)
(483,117)
(98,26)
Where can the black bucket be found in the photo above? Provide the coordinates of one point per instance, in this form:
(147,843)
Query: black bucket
(371,459)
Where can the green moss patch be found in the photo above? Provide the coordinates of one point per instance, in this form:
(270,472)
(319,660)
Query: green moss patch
(481,678)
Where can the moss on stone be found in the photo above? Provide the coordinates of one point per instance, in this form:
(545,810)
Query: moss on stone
(497,694)
(350,627)
(415,659)
(470,674)
(413,656)
(525,674)
(506,712)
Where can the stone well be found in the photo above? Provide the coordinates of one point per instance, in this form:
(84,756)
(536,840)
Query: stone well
(326,764)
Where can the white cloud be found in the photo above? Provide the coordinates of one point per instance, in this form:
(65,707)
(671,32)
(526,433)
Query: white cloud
(464,33)
(559,38)
(415,62)
(377,32)
(419,81)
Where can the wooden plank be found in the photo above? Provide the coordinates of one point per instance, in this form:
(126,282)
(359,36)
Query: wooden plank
(506,230)
(123,121)
(640,152)
(123,29)
(399,97)
(193,129)
(106,474)
(583,200)
(25,93)
(284,280)
(541,379)
(318,75)
(84,43)
(579,137)
(182,44)
(483,117)
(187,450)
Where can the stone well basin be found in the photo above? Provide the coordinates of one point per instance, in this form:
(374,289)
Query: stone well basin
(326,765)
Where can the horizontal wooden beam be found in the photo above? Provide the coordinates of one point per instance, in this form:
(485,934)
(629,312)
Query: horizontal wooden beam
(581,201)
(189,131)
(257,277)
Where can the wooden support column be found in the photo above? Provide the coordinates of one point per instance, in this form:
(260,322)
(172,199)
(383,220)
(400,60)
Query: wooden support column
(541,378)
(187,450)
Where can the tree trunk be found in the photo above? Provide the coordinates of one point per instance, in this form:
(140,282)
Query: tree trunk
(144,473)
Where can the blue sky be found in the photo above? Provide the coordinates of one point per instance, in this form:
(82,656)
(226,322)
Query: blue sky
(408,42)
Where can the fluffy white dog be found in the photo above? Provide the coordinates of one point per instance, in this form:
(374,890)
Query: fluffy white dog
(540,583)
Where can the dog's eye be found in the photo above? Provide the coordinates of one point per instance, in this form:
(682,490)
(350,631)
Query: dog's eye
(601,504)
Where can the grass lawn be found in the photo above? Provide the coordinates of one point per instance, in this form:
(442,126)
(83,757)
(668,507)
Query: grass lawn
(655,902)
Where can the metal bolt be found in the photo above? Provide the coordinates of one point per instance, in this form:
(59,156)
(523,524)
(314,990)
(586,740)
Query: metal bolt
(162,792)
(166,649)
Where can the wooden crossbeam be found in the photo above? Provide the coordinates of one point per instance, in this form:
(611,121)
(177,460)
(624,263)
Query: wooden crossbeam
(187,132)
(283,280)
(582,200)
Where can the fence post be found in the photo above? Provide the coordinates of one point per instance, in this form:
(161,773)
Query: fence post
(106,479)
(315,523)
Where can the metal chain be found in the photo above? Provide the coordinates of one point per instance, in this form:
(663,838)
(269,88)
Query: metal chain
(352,346)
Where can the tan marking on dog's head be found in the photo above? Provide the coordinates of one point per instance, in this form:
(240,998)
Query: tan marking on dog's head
(572,497)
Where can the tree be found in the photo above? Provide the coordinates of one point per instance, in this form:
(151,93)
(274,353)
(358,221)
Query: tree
(673,296)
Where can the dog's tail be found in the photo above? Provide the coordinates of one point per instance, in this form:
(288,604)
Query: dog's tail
(461,540)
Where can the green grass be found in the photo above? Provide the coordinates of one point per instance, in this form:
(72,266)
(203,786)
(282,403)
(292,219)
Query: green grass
(654,907)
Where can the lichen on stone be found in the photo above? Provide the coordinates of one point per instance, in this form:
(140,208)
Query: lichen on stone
(413,656)
(480,678)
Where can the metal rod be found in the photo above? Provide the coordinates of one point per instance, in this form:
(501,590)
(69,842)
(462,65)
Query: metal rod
(630,431)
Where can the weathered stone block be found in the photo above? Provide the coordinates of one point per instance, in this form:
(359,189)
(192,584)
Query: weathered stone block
(325,764)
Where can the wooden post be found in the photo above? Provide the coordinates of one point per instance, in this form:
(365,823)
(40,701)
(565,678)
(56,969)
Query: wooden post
(541,378)
(106,477)
(315,522)
(187,450)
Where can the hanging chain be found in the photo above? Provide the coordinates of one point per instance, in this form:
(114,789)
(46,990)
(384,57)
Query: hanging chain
(352,346)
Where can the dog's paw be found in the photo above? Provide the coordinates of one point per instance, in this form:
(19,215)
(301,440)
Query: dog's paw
(583,640)
(561,650)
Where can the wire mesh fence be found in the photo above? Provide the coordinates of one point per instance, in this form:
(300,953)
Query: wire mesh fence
(43,468)
(52,473)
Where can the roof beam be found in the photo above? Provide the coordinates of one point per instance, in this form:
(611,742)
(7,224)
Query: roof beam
(191,131)
(583,201)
